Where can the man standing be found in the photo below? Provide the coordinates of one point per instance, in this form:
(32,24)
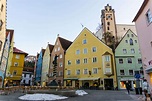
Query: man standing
(128,86)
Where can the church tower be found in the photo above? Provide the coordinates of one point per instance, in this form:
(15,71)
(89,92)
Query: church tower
(108,21)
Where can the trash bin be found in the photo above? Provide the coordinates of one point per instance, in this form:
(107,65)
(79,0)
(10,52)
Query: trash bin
(136,90)
(140,89)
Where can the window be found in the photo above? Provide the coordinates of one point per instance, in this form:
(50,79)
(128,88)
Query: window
(15,64)
(120,61)
(14,72)
(122,72)
(95,70)
(84,41)
(69,83)
(24,75)
(68,72)
(124,51)
(127,35)
(108,23)
(60,55)
(69,62)
(149,16)
(131,41)
(139,51)
(126,41)
(129,60)
(77,51)
(60,73)
(94,59)
(132,51)
(51,74)
(131,72)
(0,45)
(132,35)
(107,58)
(55,50)
(135,41)
(139,61)
(78,61)
(58,48)
(85,60)
(78,71)
(61,64)
(94,49)
(2,8)
(17,56)
(85,71)
(108,28)
(85,51)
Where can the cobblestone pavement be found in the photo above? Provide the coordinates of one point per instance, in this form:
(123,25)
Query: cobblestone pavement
(93,95)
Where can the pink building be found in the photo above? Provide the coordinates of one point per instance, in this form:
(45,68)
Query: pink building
(143,22)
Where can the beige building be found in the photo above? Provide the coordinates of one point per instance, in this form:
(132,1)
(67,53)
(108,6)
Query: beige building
(2,24)
(2,36)
(108,24)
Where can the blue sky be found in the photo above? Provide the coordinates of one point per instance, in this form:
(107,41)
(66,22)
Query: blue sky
(37,22)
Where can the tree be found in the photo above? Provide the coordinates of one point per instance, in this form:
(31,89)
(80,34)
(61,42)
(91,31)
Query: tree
(109,40)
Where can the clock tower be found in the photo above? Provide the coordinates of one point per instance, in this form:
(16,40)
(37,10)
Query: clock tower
(108,21)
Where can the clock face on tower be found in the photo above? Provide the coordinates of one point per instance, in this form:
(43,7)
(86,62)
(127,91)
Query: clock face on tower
(109,16)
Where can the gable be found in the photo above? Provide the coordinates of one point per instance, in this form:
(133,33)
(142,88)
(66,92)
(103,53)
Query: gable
(90,38)
(129,41)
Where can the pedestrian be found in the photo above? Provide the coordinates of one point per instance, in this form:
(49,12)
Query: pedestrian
(146,90)
(128,86)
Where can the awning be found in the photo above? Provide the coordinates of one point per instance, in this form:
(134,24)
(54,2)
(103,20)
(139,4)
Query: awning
(148,69)
(89,78)
(70,78)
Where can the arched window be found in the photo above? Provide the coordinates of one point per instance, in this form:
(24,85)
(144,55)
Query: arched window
(0,45)
(131,41)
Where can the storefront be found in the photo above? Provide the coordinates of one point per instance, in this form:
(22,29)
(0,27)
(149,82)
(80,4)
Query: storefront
(71,82)
(122,83)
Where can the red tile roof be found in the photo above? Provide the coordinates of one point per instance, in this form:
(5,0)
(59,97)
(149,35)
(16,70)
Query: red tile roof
(51,47)
(11,33)
(16,50)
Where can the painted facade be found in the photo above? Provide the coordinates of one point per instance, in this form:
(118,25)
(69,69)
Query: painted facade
(59,49)
(39,67)
(16,68)
(46,64)
(5,56)
(2,24)
(2,36)
(143,22)
(128,60)
(28,71)
(89,63)
(10,51)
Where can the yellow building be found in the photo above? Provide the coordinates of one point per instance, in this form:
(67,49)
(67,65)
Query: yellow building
(16,68)
(89,63)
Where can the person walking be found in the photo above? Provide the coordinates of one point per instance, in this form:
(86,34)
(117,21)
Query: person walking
(146,90)
(128,86)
